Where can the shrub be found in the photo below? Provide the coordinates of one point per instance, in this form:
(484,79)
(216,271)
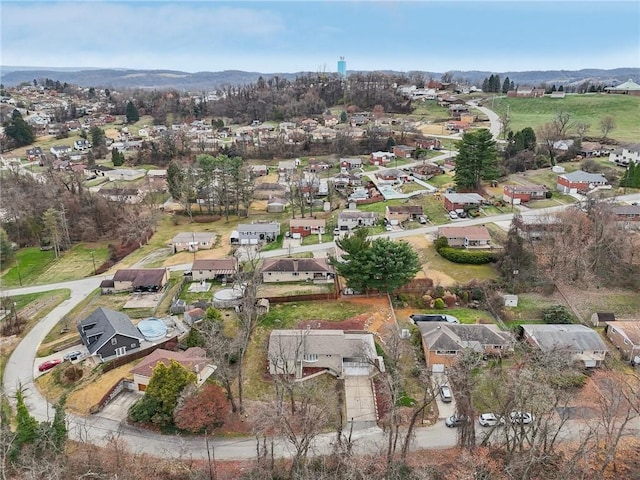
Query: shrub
(557,314)
(465,256)
(206,218)
(439,304)
(73,374)
(449,299)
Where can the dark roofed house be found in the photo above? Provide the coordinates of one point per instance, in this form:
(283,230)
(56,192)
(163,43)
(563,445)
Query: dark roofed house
(193,359)
(140,280)
(516,194)
(401,213)
(109,334)
(296,270)
(583,344)
(214,269)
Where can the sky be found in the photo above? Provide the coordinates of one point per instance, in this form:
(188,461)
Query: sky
(289,37)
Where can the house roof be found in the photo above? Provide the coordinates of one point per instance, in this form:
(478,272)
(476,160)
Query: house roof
(271,187)
(626,210)
(186,237)
(525,188)
(580,176)
(408,209)
(141,277)
(259,227)
(277,201)
(307,222)
(474,198)
(455,337)
(355,214)
(296,343)
(107,323)
(564,337)
(628,85)
(193,359)
(629,328)
(296,265)
(220,266)
(470,233)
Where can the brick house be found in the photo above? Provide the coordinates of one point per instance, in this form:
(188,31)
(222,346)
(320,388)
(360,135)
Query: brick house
(517,194)
(214,269)
(351,163)
(136,280)
(381,158)
(467,237)
(403,151)
(402,213)
(307,226)
(296,270)
(455,201)
(579,181)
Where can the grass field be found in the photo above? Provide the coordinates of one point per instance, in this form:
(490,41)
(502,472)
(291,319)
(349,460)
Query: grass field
(589,108)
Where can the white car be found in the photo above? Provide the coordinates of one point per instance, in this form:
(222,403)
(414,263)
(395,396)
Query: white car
(490,419)
(73,355)
(453,215)
(521,417)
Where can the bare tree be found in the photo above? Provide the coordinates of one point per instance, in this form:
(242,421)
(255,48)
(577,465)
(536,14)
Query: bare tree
(607,124)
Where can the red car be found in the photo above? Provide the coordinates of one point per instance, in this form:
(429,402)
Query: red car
(44,366)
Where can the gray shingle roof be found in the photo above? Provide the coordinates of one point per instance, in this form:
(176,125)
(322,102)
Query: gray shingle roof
(575,338)
(296,265)
(106,323)
(295,343)
(580,176)
(455,337)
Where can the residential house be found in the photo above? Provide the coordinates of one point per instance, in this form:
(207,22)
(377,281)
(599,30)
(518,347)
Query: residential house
(455,201)
(193,359)
(317,165)
(214,269)
(81,144)
(125,174)
(428,143)
(351,163)
(287,167)
(344,179)
(396,214)
(599,319)
(255,233)
(307,226)
(443,342)
(426,171)
(457,126)
(580,181)
(393,175)
(592,149)
(381,158)
(535,227)
(627,88)
(624,156)
(267,190)
(97,170)
(403,151)
(138,280)
(583,344)
(467,237)
(625,336)
(516,194)
(350,219)
(524,91)
(297,270)
(277,205)
(259,170)
(336,351)
(34,153)
(193,241)
(126,195)
(627,215)
(563,146)
(60,150)
(108,334)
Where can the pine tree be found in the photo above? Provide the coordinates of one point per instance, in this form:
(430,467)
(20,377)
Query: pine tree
(477,160)
(26,427)
(505,85)
(132,113)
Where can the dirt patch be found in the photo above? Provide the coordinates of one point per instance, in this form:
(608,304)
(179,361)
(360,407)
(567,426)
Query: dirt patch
(379,317)
(355,323)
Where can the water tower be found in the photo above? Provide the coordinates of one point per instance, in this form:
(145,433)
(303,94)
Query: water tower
(342,67)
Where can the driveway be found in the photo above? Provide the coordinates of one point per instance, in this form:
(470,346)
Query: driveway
(361,408)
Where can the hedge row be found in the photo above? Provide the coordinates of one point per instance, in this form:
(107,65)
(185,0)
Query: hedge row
(467,256)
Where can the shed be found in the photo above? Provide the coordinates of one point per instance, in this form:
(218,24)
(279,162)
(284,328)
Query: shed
(510,300)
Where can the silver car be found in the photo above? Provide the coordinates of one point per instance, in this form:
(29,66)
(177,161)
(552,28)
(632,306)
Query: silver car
(490,419)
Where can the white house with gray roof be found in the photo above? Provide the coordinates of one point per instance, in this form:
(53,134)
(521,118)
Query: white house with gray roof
(584,344)
(340,353)
(624,156)
(350,219)
(255,233)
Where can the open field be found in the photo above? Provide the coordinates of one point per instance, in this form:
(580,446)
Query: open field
(587,108)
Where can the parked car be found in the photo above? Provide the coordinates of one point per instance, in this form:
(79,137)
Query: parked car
(445,394)
(49,364)
(453,215)
(422,220)
(455,421)
(490,419)
(521,417)
(76,354)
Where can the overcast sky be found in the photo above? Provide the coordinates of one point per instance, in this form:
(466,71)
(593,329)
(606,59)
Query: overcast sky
(284,36)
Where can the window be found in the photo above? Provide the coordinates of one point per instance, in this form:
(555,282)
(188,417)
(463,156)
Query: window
(114,341)
(295,274)
(133,345)
(311,358)
(120,351)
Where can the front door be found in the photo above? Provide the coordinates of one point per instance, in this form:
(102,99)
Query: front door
(121,351)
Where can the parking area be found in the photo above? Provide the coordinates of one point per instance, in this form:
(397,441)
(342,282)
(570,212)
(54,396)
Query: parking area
(445,409)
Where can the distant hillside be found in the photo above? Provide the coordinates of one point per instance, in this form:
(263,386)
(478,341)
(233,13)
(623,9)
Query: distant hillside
(202,81)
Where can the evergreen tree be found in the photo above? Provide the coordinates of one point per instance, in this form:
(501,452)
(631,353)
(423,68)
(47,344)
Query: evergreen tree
(98,138)
(505,85)
(117,158)
(132,113)
(175,179)
(477,160)
(59,426)
(26,427)
(18,131)
(7,253)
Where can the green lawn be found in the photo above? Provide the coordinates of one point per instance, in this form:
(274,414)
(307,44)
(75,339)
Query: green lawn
(461,273)
(589,108)
(34,266)
(287,315)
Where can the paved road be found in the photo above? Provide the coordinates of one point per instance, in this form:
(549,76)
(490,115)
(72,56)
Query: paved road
(96,429)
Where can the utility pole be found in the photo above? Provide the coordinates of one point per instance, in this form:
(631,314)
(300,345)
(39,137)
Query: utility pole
(93,258)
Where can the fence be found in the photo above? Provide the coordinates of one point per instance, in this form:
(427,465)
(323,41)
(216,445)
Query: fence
(118,362)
